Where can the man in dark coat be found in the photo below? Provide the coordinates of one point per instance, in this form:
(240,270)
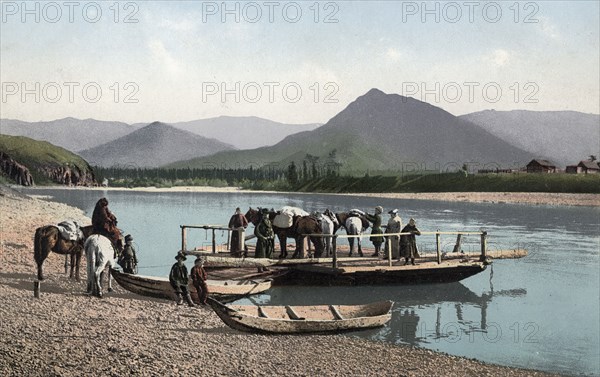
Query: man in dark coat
(199,280)
(265,237)
(237,221)
(408,243)
(376,229)
(179,280)
(128,259)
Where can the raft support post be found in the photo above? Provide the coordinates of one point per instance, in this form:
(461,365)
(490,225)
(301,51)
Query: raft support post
(483,246)
(183,238)
(242,236)
(214,241)
(36,288)
(438,246)
(334,250)
(457,247)
(389,248)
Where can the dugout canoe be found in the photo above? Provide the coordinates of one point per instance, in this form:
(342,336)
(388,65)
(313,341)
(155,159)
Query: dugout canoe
(303,319)
(159,287)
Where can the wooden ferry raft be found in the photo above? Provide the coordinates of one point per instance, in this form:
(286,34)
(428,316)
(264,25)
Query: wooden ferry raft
(435,267)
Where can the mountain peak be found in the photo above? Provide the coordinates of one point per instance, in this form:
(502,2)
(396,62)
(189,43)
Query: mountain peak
(156,123)
(374,93)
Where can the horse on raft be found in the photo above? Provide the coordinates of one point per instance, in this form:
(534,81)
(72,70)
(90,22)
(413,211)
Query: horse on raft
(100,253)
(329,224)
(355,223)
(48,238)
(300,225)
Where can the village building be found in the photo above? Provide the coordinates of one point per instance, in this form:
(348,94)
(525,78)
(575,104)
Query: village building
(584,167)
(541,166)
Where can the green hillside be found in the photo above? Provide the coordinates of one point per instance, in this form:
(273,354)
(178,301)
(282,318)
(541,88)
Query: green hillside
(44,160)
(352,154)
(457,182)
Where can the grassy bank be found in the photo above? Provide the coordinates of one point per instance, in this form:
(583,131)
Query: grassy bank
(454,182)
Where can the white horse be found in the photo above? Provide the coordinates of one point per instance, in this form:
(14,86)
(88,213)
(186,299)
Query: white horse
(329,224)
(99,253)
(354,227)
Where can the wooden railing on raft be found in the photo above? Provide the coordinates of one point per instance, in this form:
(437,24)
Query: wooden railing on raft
(214,228)
(483,254)
(388,236)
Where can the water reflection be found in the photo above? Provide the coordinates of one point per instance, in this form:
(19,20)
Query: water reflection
(468,314)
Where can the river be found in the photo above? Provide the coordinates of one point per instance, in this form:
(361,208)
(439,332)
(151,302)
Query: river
(540,312)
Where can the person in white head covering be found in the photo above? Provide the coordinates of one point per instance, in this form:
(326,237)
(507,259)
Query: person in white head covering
(393,242)
(408,243)
(376,229)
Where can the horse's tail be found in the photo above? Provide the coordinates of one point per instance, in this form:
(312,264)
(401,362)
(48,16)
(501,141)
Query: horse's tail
(37,245)
(41,243)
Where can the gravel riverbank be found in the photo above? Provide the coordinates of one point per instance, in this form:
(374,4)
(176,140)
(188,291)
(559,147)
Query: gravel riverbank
(68,333)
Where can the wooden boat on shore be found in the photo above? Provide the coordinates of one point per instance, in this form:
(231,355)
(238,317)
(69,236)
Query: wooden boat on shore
(303,319)
(158,287)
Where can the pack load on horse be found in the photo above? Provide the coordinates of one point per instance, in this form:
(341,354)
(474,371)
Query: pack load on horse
(301,224)
(285,216)
(66,238)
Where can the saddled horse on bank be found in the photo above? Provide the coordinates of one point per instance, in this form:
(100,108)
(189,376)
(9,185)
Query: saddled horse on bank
(354,224)
(48,238)
(300,225)
(99,253)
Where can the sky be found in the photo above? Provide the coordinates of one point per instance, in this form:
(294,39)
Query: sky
(292,62)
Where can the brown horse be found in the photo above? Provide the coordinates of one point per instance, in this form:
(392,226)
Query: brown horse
(47,238)
(300,225)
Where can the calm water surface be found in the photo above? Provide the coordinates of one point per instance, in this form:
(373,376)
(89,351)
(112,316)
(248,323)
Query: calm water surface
(539,312)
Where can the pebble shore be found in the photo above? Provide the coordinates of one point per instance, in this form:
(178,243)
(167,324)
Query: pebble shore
(68,333)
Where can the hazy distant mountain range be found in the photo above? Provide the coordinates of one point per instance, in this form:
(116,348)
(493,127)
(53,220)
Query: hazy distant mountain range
(244,132)
(377,131)
(69,133)
(152,146)
(565,137)
(381,131)
(77,134)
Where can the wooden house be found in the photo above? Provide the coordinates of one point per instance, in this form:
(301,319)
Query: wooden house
(541,166)
(588,167)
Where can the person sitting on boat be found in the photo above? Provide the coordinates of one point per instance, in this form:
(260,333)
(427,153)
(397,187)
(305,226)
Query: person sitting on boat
(265,237)
(408,243)
(128,260)
(393,226)
(375,238)
(104,222)
(237,221)
(178,277)
(198,275)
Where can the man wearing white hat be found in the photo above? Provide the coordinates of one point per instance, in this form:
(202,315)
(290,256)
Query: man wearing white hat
(394,225)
